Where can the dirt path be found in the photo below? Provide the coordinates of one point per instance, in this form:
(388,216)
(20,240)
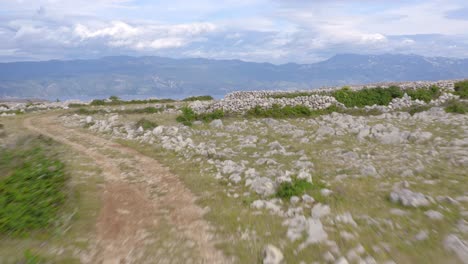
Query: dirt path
(147,214)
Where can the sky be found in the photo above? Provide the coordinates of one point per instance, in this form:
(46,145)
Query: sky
(275,31)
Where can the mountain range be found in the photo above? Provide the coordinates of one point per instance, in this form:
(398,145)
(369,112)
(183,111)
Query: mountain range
(177,78)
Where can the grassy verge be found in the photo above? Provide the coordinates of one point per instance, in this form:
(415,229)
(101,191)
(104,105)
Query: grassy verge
(49,197)
(32,190)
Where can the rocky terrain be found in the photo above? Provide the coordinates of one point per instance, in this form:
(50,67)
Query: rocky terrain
(336,188)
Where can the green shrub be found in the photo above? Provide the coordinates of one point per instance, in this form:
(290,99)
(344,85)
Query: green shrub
(461,89)
(145,124)
(32,189)
(367,96)
(456,107)
(97,102)
(187,116)
(198,98)
(294,188)
(425,95)
(114,98)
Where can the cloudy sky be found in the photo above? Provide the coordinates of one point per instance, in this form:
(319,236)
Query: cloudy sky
(276,31)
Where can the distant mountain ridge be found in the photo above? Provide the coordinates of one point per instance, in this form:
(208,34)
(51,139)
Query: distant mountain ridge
(176,78)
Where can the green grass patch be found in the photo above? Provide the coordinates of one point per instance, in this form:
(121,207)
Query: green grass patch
(32,188)
(198,98)
(461,89)
(145,124)
(456,107)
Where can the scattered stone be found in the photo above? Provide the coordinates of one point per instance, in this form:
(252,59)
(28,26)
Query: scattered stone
(342,260)
(272,255)
(294,199)
(326,192)
(434,215)
(217,123)
(369,170)
(263,186)
(307,198)
(346,218)
(328,257)
(89,119)
(459,247)
(409,198)
(399,212)
(423,235)
(320,210)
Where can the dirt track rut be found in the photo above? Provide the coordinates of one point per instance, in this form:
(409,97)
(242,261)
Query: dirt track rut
(147,214)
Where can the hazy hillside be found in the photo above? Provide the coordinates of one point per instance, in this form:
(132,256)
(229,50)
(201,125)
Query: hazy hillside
(165,77)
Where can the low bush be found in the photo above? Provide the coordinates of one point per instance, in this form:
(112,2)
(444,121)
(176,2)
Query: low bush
(367,96)
(456,107)
(425,95)
(97,102)
(296,187)
(198,98)
(76,105)
(187,116)
(31,188)
(461,89)
(145,124)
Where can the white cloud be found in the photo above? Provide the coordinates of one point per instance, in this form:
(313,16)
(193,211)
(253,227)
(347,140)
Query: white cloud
(260,30)
(145,36)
